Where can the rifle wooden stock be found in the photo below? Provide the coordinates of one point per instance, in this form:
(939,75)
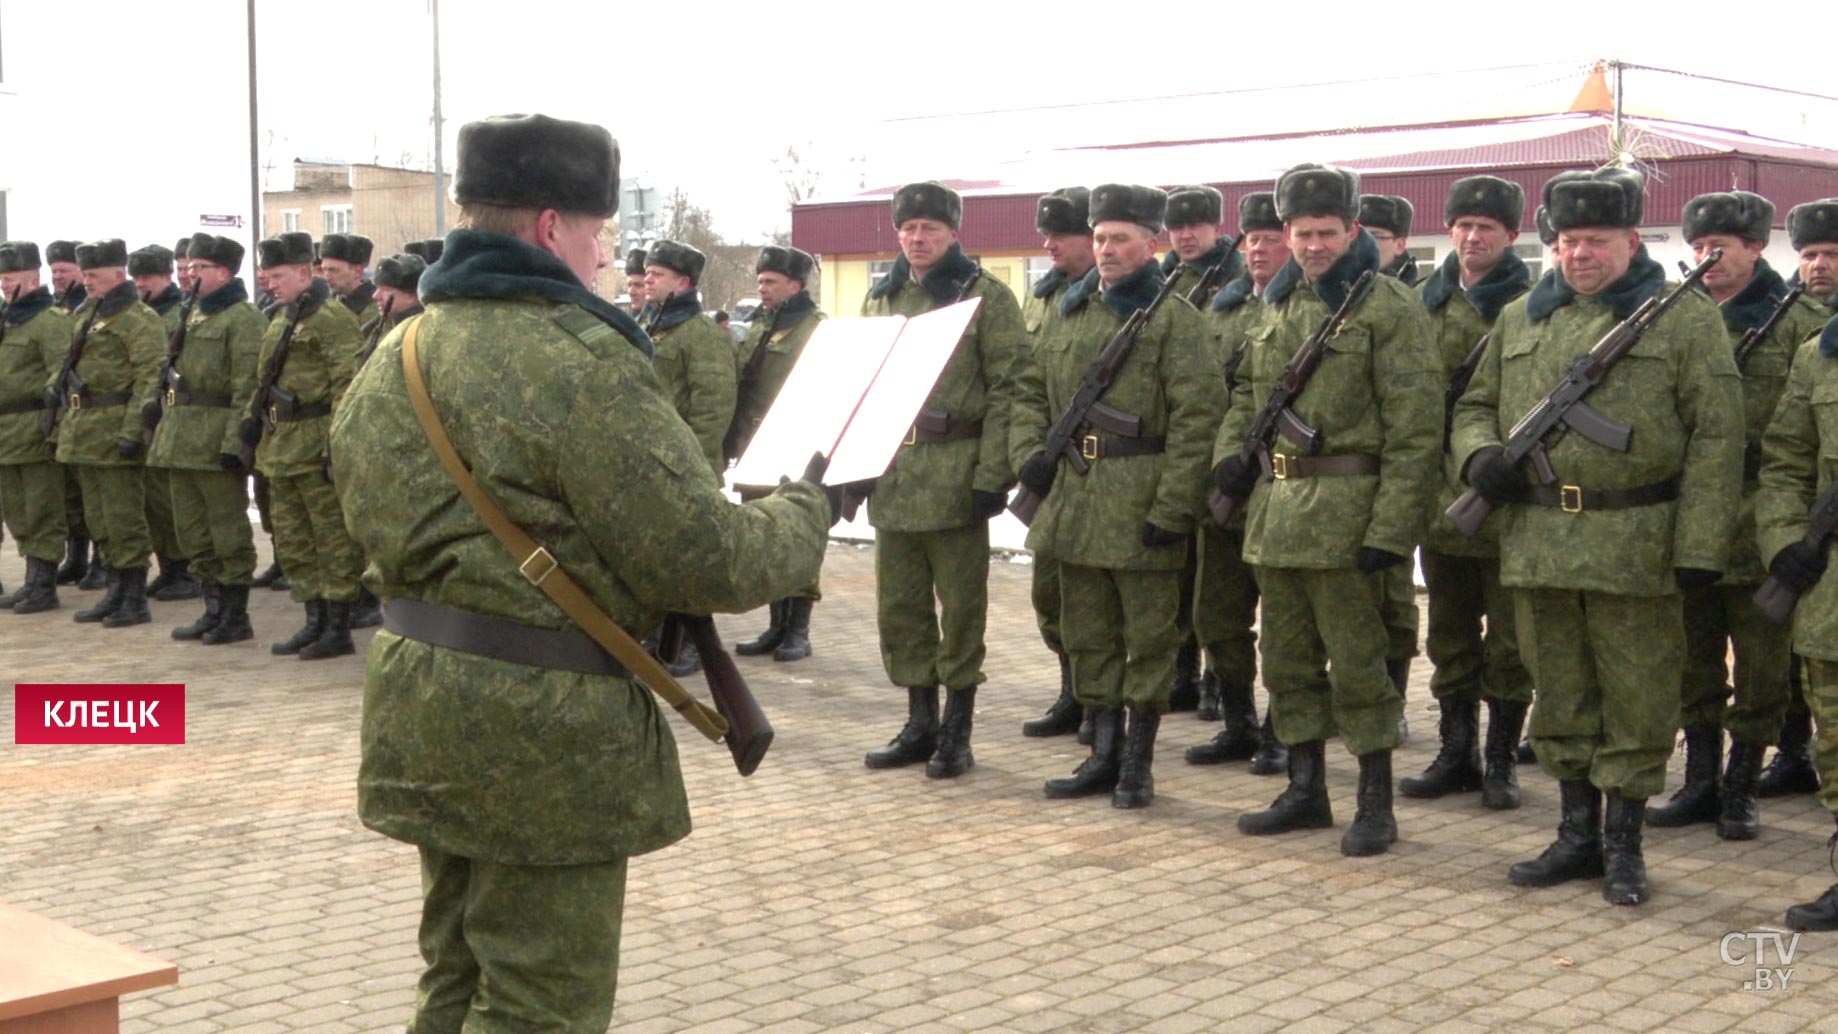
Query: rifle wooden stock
(749,732)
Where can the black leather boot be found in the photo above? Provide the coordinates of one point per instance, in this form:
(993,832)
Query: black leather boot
(1626,871)
(132,609)
(1457,767)
(1239,739)
(1303,804)
(76,561)
(1577,853)
(96,577)
(178,582)
(1820,913)
(687,662)
(917,740)
(7,601)
(1272,758)
(1086,730)
(213,613)
(1500,779)
(268,577)
(107,604)
(797,642)
(1212,702)
(233,624)
(1135,776)
(1792,771)
(1696,801)
(774,634)
(1184,691)
(41,588)
(1374,827)
(1399,670)
(1097,774)
(1528,755)
(315,623)
(335,637)
(1064,715)
(952,758)
(1739,816)
(367,612)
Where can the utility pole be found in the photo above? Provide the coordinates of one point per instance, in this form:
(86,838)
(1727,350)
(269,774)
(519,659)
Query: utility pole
(440,196)
(1621,156)
(255,164)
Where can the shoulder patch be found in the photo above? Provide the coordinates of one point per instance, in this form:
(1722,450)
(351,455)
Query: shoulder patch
(586,328)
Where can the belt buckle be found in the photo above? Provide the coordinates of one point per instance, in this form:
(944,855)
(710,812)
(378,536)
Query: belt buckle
(1279,466)
(76,401)
(912,436)
(1570,498)
(1088,446)
(274,414)
(172,398)
(542,559)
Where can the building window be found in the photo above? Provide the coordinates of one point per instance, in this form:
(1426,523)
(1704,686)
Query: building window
(879,268)
(290,220)
(337,218)
(1037,267)
(1533,254)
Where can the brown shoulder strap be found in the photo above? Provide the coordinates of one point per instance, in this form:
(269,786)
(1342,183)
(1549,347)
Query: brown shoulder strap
(539,566)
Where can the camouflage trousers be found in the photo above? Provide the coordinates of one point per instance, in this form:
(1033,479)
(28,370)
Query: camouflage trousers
(1821,688)
(1402,619)
(1716,617)
(115,508)
(517,948)
(1225,605)
(74,522)
(1330,618)
(1046,602)
(162,527)
(1608,669)
(32,504)
(1472,640)
(932,604)
(1121,632)
(211,509)
(310,540)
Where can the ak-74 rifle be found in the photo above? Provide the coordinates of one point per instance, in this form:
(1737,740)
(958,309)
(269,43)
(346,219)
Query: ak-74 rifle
(68,386)
(1458,384)
(1213,279)
(170,377)
(1753,337)
(268,394)
(377,328)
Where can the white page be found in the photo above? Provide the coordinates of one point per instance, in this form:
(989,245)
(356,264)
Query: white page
(894,399)
(814,407)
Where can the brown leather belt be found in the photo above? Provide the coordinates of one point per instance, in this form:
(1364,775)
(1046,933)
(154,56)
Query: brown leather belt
(301,413)
(1104,446)
(500,640)
(1576,499)
(955,431)
(185,398)
(1285,468)
(28,406)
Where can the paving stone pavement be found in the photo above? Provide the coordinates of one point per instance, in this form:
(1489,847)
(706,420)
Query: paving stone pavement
(818,895)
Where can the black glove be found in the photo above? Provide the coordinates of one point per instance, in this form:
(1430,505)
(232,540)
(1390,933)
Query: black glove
(1038,474)
(813,474)
(1498,481)
(984,505)
(1154,535)
(1371,559)
(230,462)
(128,448)
(1695,577)
(813,471)
(250,431)
(1235,476)
(1798,567)
(150,414)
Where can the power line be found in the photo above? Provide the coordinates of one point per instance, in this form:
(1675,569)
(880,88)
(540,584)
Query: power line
(1732,82)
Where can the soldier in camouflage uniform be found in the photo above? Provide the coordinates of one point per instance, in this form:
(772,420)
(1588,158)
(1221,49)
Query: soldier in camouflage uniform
(66,276)
(397,279)
(1120,531)
(1721,616)
(428,251)
(121,343)
(310,540)
(1813,230)
(1598,559)
(931,509)
(695,358)
(1225,598)
(197,439)
(786,319)
(1471,639)
(151,269)
(527,787)
(1322,529)
(82,561)
(1063,219)
(36,336)
(344,257)
(635,282)
(1799,464)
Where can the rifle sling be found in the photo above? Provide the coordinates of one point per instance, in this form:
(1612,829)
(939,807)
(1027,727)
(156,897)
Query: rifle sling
(499,640)
(540,567)
(1576,499)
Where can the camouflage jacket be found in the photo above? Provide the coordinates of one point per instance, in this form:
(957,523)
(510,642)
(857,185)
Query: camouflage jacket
(927,487)
(1187,275)
(168,304)
(37,337)
(317,370)
(1168,380)
(122,356)
(1042,303)
(696,366)
(1230,316)
(1376,392)
(549,395)
(1459,318)
(1677,388)
(1799,462)
(222,346)
(362,304)
(777,338)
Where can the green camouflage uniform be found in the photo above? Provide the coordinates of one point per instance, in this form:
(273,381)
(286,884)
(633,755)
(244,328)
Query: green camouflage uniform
(31,481)
(1463,573)
(362,304)
(528,788)
(791,326)
(1799,463)
(696,365)
(1375,393)
(121,358)
(1225,596)
(310,540)
(1119,598)
(217,371)
(1402,617)
(1724,615)
(1041,308)
(162,523)
(1599,611)
(928,547)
